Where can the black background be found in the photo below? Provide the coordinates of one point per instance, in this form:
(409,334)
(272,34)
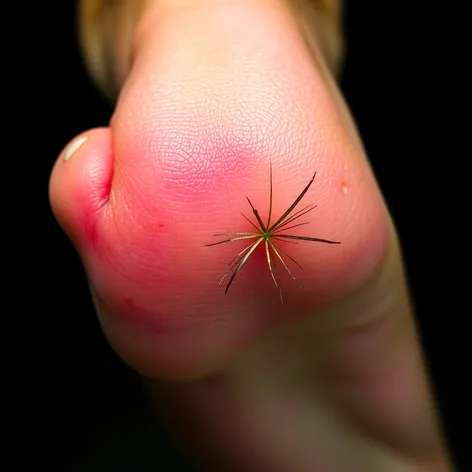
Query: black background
(77,406)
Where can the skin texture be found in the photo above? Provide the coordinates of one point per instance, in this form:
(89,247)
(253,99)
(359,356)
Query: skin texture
(207,93)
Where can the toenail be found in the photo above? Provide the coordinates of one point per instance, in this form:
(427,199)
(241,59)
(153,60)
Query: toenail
(73,146)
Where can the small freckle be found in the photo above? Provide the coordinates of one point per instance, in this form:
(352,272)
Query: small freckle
(344,187)
(129,301)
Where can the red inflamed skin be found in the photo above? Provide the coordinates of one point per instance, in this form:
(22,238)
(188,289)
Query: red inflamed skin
(189,141)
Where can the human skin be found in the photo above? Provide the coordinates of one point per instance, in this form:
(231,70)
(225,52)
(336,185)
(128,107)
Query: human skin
(207,93)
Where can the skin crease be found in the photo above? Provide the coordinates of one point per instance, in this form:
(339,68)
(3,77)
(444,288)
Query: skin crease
(208,93)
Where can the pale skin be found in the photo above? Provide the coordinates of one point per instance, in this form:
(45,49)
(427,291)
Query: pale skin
(207,94)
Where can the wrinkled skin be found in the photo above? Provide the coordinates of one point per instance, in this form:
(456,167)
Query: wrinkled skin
(207,92)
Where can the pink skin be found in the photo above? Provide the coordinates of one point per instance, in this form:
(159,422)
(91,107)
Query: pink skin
(141,198)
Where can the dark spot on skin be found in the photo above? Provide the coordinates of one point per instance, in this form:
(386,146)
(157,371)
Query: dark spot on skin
(161,225)
(129,301)
(91,229)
